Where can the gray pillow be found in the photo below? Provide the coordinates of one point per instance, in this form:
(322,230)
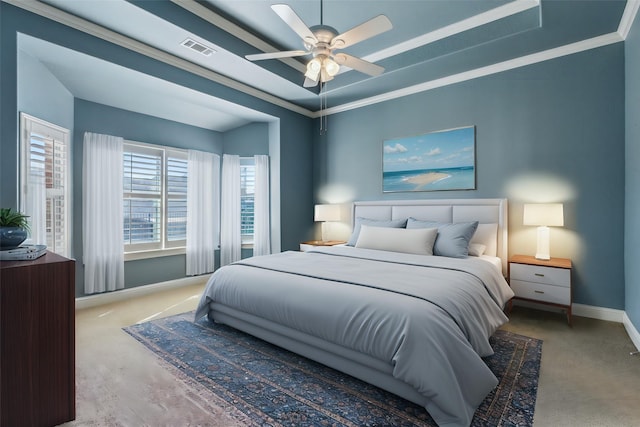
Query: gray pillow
(453,238)
(389,223)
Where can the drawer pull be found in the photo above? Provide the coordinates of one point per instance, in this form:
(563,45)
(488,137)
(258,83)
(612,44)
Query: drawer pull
(539,274)
(539,292)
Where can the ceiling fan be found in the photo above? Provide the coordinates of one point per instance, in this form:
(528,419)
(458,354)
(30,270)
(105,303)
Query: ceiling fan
(321,41)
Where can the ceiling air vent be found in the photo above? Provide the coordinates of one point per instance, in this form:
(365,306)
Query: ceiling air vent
(198,47)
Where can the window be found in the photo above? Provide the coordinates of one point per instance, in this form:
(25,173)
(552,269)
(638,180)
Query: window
(155,197)
(45,185)
(247,193)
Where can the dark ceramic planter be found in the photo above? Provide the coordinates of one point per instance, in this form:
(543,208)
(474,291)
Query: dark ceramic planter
(11,237)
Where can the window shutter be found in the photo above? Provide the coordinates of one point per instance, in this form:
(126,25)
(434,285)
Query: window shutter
(176,199)
(247,188)
(142,198)
(56,178)
(155,197)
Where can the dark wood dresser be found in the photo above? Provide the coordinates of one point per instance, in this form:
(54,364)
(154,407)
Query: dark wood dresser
(37,335)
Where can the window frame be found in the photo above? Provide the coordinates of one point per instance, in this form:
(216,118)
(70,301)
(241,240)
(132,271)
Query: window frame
(28,125)
(163,247)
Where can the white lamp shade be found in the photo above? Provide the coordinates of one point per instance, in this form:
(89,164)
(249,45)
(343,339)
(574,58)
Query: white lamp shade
(549,214)
(327,213)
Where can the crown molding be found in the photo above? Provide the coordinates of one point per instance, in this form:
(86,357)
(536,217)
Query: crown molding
(511,64)
(80,24)
(103,33)
(628,16)
(458,27)
(235,30)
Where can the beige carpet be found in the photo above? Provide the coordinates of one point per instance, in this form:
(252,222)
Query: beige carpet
(587,377)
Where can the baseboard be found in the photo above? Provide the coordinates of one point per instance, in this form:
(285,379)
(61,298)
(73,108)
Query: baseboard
(631,331)
(123,294)
(593,312)
(600,313)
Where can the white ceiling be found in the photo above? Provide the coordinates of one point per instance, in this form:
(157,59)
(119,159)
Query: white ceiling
(433,42)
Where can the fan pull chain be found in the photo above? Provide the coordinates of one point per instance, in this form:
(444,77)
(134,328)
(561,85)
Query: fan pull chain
(323,107)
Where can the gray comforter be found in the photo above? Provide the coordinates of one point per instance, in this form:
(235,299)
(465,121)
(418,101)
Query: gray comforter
(429,317)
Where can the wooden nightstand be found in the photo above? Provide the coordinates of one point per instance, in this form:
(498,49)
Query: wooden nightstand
(543,282)
(305,246)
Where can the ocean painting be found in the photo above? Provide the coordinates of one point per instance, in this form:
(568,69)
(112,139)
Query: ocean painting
(442,160)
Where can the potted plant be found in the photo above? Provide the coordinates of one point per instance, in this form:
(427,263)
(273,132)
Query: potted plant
(14,228)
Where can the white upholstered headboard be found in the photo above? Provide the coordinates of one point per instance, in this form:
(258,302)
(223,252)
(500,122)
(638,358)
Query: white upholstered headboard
(485,211)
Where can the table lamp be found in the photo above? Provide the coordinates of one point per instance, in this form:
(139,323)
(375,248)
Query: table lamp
(543,215)
(325,213)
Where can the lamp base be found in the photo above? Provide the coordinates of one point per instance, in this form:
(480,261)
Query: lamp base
(542,252)
(325,231)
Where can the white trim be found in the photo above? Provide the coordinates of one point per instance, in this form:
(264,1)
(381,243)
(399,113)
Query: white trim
(125,294)
(600,313)
(499,67)
(73,21)
(213,18)
(631,330)
(628,16)
(155,253)
(90,28)
(455,28)
(580,310)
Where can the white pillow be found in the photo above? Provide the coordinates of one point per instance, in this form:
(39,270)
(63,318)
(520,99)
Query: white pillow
(411,241)
(476,249)
(487,235)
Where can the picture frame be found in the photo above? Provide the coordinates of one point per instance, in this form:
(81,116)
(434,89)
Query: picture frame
(433,161)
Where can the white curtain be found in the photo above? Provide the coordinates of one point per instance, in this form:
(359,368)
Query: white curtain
(230,239)
(102,231)
(35,206)
(261,219)
(203,210)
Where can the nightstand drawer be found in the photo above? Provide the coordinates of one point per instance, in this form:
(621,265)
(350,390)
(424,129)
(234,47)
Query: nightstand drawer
(539,274)
(541,292)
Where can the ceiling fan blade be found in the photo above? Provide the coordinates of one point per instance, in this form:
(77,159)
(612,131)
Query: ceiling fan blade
(274,55)
(310,83)
(358,64)
(368,29)
(292,20)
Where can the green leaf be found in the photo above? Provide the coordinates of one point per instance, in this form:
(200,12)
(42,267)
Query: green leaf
(10,218)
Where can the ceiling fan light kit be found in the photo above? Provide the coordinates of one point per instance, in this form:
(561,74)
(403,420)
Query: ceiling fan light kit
(321,41)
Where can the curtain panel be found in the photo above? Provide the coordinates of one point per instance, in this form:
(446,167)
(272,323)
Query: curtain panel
(102,213)
(203,210)
(230,237)
(35,206)
(261,221)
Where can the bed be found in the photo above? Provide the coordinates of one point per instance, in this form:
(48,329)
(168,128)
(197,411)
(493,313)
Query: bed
(413,324)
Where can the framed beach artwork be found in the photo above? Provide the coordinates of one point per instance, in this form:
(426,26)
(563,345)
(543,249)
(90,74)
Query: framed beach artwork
(441,160)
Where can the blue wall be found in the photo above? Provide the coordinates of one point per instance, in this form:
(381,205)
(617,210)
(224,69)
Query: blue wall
(632,178)
(41,95)
(248,140)
(561,120)
(292,151)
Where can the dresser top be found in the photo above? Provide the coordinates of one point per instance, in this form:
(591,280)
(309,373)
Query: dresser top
(47,258)
(531,260)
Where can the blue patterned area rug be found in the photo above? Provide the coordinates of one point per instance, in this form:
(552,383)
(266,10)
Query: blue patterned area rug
(274,387)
